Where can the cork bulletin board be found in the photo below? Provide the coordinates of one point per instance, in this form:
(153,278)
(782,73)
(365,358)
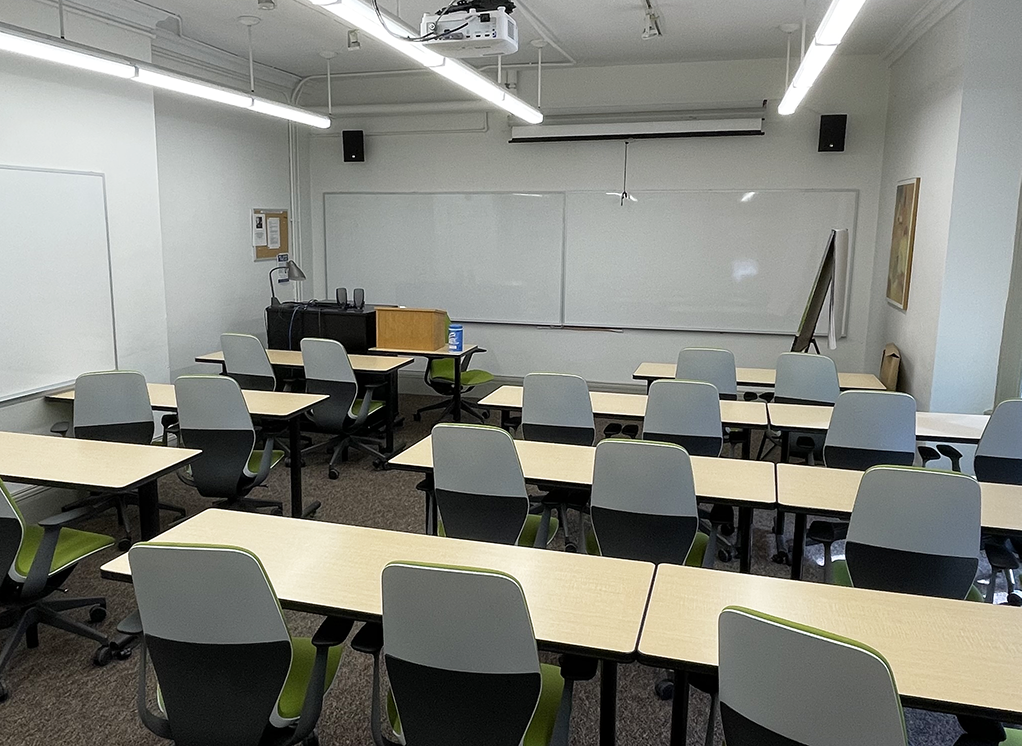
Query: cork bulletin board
(269,233)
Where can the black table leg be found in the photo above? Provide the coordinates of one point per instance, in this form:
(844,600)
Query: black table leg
(785,446)
(608,703)
(295,432)
(679,709)
(798,546)
(457,390)
(149,510)
(745,537)
(391,410)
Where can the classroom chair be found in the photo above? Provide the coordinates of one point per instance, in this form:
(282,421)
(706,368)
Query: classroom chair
(711,365)
(867,428)
(480,490)
(462,662)
(228,670)
(439,376)
(37,559)
(771,690)
(215,420)
(344,415)
(114,406)
(246,361)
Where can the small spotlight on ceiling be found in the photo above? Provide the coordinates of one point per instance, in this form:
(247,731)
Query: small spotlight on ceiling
(267,4)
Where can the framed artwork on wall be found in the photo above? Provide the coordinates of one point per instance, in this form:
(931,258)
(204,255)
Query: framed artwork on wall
(903,237)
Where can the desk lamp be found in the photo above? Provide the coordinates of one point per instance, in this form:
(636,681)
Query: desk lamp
(294,273)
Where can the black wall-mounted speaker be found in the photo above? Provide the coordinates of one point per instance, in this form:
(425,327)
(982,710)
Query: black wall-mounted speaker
(832,132)
(354,144)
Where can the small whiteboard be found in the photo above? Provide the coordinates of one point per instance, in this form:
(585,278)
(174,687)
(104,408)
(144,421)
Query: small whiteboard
(58,298)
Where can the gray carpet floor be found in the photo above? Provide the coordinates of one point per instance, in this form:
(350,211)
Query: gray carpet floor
(58,696)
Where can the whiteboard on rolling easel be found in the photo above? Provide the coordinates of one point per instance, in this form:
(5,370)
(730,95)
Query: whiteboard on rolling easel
(60,320)
(730,261)
(492,257)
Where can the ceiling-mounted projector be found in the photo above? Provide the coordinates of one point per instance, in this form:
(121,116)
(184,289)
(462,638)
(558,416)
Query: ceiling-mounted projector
(473,32)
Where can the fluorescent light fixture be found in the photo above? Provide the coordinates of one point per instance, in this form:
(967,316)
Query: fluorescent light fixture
(839,17)
(189,87)
(363,17)
(62,52)
(292,113)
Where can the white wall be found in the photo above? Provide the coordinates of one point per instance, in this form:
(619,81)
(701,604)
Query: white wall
(786,157)
(921,141)
(215,166)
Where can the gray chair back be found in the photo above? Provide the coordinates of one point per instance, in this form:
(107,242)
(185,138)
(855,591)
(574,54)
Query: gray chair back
(556,408)
(711,365)
(215,419)
(999,453)
(803,378)
(686,413)
(478,482)
(246,361)
(461,655)
(113,405)
(218,642)
(871,428)
(328,371)
(772,692)
(12,533)
(643,501)
(915,531)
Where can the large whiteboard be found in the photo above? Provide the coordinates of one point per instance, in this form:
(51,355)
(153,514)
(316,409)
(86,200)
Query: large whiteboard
(58,303)
(739,261)
(482,257)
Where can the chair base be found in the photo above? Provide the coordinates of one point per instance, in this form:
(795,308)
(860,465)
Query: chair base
(447,407)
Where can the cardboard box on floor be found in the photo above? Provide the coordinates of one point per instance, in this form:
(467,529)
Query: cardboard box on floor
(890,365)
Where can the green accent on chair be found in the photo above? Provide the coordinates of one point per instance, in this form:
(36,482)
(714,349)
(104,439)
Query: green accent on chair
(844,578)
(256,459)
(529,530)
(72,545)
(1014,737)
(303,654)
(374,406)
(443,370)
(694,558)
(540,730)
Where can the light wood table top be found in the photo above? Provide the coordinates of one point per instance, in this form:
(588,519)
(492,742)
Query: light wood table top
(293,359)
(441,353)
(272,404)
(88,464)
(956,653)
(633,406)
(734,481)
(577,602)
(941,426)
(820,491)
(763,377)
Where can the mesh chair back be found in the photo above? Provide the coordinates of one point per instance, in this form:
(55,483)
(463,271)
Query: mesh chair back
(328,371)
(479,486)
(12,533)
(871,428)
(644,501)
(461,655)
(765,664)
(806,379)
(686,413)
(246,361)
(999,454)
(915,531)
(711,365)
(556,408)
(217,639)
(114,406)
(214,418)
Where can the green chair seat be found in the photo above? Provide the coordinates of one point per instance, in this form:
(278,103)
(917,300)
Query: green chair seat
(541,728)
(844,578)
(1014,737)
(694,558)
(256,460)
(72,546)
(443,370)
(529,530)
(374,406)
(303,654)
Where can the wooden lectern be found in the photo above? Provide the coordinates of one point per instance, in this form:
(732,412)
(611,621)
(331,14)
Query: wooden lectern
(411,328)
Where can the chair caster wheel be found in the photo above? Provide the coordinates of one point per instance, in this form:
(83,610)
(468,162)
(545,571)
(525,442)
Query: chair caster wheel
(104,654)
(725,555)
(664,690)
(122,654)
(781,558)
(277,511)
(4,692)
(569,547)
(333,474)
(312,740)
(486,414)
(726,529)
(417,417)
(378,464)
(1014,599)
(97,614)
(287,462)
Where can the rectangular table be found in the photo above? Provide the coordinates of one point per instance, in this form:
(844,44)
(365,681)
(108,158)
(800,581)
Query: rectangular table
(93,465)
(746,484)
(578,604)
(932,426)
(271,405)
(372,366)
(812,490)
(442,354)
(951,656)
(756,377)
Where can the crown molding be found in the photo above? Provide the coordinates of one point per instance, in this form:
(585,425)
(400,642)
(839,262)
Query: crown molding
(932,13)
(124,14)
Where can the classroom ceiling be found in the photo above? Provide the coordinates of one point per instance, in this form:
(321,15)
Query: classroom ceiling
(592,32)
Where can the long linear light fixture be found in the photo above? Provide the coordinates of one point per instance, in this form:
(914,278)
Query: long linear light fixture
(362,16)
(61,51)
(830,33)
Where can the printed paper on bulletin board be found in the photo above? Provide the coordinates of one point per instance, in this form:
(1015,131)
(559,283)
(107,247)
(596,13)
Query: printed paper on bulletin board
(269,233)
